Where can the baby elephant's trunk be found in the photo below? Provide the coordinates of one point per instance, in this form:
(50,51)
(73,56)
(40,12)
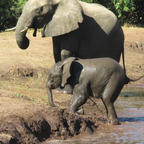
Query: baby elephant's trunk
(50,97)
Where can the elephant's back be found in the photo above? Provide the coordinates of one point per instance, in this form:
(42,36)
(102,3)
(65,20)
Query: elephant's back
(100,64)
(101,15)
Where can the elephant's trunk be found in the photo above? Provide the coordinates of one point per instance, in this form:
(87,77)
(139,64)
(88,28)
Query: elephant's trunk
(21,30)
(50,97)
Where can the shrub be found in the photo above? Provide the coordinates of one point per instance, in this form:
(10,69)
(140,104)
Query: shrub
(128,11)
(139,11)
(10,10)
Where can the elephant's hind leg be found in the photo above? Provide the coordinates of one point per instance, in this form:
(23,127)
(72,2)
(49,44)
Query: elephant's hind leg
(80,95)
(109,96)
(111,113)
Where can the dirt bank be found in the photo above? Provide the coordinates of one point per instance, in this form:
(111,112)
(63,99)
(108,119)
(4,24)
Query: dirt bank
(22,122)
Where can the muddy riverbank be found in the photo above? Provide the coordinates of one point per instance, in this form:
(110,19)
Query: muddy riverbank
(130,111)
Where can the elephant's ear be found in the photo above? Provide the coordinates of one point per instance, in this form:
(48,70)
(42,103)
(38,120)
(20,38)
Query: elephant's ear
(66,70)
(65,19)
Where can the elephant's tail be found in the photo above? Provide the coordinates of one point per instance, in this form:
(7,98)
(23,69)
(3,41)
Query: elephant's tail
(127,79)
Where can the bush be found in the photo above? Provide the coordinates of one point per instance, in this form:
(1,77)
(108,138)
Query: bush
(10,10)
(139,12)
(125,10)
(128,11)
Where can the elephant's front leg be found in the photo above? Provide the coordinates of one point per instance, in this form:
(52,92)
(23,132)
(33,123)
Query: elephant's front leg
(56,49)
(80,95)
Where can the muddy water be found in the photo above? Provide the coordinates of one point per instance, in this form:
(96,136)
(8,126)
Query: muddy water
(130,110)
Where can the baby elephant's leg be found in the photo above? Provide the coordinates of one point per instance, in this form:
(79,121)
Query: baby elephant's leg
(109,96)
(80,95)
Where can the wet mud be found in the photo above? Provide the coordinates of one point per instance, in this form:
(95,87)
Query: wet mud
(49,123)
(130,112)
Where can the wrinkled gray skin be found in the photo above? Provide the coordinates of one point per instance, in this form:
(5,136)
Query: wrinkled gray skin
(77,28)
(100,78)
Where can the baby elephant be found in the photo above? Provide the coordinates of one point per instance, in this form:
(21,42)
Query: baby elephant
(100,78)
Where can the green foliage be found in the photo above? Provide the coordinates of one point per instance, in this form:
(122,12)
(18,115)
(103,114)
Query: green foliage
(128,11)
(10,10)
(125,10)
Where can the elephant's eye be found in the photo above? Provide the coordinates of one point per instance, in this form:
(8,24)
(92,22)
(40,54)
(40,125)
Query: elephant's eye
(39,11)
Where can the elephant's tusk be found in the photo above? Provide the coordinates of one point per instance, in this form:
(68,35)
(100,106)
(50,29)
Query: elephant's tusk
(10,29)
(24,30)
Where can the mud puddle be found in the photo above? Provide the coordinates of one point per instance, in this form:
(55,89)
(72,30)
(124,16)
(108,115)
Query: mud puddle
(130,110)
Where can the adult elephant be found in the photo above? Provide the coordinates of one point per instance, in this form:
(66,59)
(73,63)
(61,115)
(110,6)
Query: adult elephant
(77,28)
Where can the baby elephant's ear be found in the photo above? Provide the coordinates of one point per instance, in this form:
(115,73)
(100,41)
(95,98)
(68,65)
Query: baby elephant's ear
(66,70)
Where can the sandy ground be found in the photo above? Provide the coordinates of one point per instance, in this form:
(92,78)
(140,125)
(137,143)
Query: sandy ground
(25,116)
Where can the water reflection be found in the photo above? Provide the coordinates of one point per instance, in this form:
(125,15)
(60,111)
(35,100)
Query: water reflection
(132,94)
(131,119)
